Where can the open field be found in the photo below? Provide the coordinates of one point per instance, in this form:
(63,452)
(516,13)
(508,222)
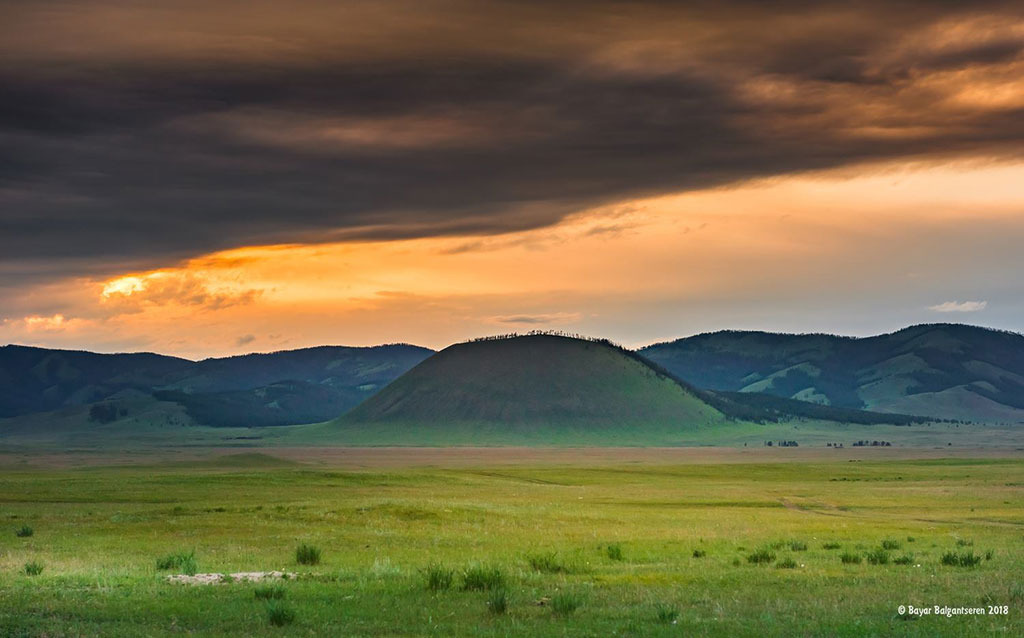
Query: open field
(649,543)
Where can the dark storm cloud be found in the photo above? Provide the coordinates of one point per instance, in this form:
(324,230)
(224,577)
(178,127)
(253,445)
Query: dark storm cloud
(132,135)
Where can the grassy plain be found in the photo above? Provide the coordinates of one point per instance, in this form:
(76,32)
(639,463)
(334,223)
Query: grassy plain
(584,548)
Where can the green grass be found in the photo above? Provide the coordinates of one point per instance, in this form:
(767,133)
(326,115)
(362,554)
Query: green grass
(280,614)
(104,527)
(964,559)
(891,544)
(497,601)
(878,556)
(547,563)
(763,555)
(33,569)
(269,592)
(614,552)
(565,603)
(24,531)
(438,577)
(850,558)
(786,563)
(184,562)
(307,555)
(831,546)
(482,578)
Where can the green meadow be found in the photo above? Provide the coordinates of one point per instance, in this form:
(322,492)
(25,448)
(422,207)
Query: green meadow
(823,548)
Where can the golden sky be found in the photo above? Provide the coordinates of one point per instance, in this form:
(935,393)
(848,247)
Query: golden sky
(204,179)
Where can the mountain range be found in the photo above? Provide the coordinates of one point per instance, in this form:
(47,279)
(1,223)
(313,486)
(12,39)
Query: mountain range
(944,371)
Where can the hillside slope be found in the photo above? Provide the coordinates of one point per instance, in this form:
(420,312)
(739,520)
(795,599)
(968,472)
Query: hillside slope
(536,382)
(939,370)
(280,388)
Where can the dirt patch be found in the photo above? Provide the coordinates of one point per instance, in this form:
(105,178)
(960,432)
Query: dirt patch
(237,577)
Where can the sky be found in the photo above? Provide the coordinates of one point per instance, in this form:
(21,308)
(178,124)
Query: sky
(204,179)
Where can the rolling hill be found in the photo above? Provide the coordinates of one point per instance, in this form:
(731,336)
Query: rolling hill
(948,371)
(535,383)
(280,388)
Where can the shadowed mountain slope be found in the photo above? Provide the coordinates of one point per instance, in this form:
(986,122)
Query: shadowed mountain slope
(939,370)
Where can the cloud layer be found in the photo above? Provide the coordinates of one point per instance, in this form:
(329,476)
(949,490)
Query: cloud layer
(136,134)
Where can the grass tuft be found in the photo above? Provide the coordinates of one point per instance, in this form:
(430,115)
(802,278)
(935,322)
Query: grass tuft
(482,578)
(438,577)
(831,546)
(699,553)
(786,563)
(966,559)
(906,559)
(184,562)
(33,568)
(797,546)
(269,592)
(666,614)
(279,614)
(24,531)
(307,554)
(850,558)
(497,601)
(763,555)
(547,563)
(614,552)
(964,542)
(566,603)
(891,544)
(878,557)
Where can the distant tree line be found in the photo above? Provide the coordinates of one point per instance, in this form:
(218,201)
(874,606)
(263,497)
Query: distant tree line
(781,444)
(872,444)
(106,412)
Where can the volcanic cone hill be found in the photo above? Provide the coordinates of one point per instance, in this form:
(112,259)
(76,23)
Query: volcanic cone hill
(539,382)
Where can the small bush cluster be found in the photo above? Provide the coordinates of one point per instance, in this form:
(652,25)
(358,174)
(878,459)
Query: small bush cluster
(566,602)
(482,578)
(850,558)
(891,544)
(186,563)
(614,552)
(763,555)
(307,555)
(797,546)
(966,559)
(33,569)
(699,553)
(279,614)
(831,546)
(666,614)
(547,563)
(878,557)
(269,592)
(906,559)
(786,563)
(497,601)
(24,531)
(438,577)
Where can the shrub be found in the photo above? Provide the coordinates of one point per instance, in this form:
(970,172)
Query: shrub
(665,613)
(967,559)
(565,603)
(438,577)
(699,553)
(33,569)
(307,554)
(547,563)
(891,544)
(798,546)
(786,563)
(906,559)
(497,601)
(181,561)
(482,578)
(24,531)
(878,557)
(763,555)
(830,546)
(614,552)
(280,614)
(269,592)
(850,558)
